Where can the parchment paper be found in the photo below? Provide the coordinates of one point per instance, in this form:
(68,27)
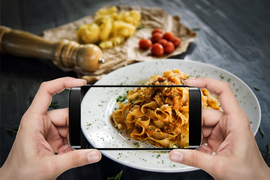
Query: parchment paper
(128,52)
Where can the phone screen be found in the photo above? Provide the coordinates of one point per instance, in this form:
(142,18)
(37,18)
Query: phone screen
(140,117)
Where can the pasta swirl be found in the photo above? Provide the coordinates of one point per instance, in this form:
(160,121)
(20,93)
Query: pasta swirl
(160,115)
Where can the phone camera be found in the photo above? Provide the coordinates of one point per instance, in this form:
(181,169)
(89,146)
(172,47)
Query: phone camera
(196,102)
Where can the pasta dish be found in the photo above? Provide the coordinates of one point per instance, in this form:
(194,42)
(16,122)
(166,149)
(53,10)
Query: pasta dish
(160,115)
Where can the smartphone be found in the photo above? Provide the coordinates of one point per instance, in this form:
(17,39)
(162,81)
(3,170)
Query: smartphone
(135,117)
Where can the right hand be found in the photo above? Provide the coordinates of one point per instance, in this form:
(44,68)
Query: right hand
(229,135)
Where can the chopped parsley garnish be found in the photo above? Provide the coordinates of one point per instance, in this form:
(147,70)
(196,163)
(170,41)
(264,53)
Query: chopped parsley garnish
(121,99)
(221,76)
(130,101)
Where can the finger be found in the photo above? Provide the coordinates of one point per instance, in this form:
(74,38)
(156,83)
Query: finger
(194,158)
(205,149)
(56,144)
(57,140)
(207,131)
(210,117)
(215,139)
(75,158)
(227,98)
(63,131)
(59,117)
(54,138)
(47,89)
(65,141)
(214,144)
(204,140)
(64,149)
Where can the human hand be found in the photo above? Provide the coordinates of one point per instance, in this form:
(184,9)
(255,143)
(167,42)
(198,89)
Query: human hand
(42,133)
(229,135)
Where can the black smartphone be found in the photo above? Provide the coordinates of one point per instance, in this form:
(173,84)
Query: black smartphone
(135,117)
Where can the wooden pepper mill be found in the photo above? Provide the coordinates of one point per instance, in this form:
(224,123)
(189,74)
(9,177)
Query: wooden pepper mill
(65,53)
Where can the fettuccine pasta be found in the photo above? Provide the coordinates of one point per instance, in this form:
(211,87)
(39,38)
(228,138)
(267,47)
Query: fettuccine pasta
(160,115)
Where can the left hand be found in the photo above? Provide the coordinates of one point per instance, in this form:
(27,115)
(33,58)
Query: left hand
(42,133)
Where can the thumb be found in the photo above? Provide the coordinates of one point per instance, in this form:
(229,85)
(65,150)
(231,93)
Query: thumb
(76,158)
(194,158)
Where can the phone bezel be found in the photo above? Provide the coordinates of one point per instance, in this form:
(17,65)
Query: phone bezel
(75,132)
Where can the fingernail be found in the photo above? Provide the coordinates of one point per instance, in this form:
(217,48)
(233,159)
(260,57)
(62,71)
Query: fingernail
(187,82)
(177,156)
(81,82)
(93,156)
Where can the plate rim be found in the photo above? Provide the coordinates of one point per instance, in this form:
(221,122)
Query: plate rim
(187,168)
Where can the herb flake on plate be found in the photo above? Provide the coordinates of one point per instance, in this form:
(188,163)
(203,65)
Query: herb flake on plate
(121,99)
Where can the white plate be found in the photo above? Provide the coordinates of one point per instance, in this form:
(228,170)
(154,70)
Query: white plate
(97,106)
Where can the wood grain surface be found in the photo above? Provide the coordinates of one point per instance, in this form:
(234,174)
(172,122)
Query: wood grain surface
(233,35)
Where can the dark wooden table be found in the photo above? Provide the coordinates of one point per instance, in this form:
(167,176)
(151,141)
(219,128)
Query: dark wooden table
(233,35)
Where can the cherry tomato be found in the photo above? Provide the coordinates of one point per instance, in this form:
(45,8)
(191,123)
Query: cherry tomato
(163,42)
(169,48)
(168,36)
(145,44)
(176,41)
(157,49)
(156,37)
(156,30)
